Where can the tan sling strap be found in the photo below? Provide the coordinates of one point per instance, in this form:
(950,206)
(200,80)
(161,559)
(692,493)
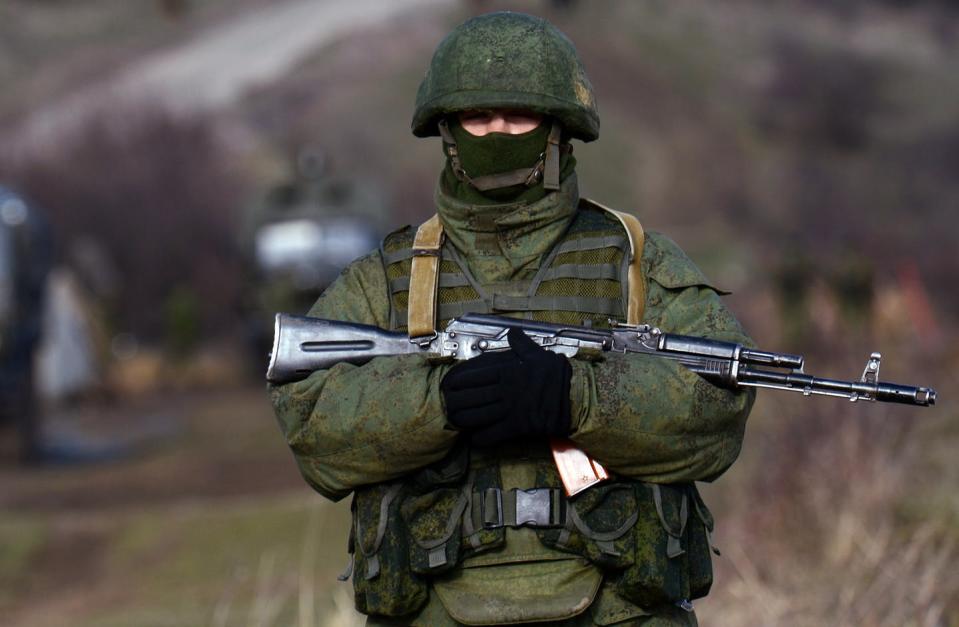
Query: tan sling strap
(635,285)
(424,277)
(424,274)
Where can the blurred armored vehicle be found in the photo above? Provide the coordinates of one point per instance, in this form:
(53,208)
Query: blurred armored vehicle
(299,235)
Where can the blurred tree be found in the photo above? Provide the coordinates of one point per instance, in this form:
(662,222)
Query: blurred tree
(822,98)
(182,309)
(157,194)
(852,282)
(792,279)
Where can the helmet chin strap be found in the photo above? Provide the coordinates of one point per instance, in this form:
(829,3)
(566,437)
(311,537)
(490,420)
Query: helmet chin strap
(546,167)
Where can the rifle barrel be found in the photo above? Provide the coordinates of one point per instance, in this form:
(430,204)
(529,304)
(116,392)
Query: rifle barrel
(854,390)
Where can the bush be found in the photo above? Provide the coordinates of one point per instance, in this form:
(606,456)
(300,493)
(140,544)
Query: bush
(157,194)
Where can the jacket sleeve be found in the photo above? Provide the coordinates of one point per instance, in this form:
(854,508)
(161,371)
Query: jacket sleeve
(650,418)
(354,425)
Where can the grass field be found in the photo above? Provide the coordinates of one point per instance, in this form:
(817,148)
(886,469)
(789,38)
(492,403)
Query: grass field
(210,526)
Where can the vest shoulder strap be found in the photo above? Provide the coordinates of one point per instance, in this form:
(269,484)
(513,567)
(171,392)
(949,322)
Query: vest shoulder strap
(636,284)
(424,278)
(424,274)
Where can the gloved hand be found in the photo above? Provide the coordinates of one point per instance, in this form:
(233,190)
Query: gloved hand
(504,395)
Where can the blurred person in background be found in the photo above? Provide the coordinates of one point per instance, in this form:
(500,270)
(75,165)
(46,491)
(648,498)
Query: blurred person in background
(26,255)
(458,511)
(44,351)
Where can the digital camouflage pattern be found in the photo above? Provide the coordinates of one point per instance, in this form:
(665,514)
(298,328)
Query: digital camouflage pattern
(354,425)
(644,418)
(383,581)
(474,283)
(507,60)
(631,547)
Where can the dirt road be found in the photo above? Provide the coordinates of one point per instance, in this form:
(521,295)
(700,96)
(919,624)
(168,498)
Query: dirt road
(217,66)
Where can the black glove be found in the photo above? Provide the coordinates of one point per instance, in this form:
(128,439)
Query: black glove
(504,395)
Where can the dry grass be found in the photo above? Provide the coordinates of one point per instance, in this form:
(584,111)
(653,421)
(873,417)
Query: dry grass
(282,599)
(817,538)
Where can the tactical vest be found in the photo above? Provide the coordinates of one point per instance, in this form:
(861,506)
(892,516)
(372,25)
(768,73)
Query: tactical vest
(651,540)
(578,282)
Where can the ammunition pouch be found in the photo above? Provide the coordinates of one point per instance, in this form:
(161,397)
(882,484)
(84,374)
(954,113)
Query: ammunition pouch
(407,531)
(651,541)
(671,547)
(434,521)
(442,527)
(383,580)
(657,574)
(599,525)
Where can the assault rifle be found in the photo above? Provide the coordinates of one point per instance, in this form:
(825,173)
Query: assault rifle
(302,345)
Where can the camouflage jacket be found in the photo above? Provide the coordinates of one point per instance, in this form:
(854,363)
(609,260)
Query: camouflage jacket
(643,417)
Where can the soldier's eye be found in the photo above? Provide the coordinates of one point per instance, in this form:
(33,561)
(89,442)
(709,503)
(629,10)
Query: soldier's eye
(521,117)
(476,116)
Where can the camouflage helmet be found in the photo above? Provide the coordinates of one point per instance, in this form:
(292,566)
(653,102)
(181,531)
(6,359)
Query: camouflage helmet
(507,60)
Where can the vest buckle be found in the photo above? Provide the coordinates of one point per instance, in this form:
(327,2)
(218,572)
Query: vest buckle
(536,507)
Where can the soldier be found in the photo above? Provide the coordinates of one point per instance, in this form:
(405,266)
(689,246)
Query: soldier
(458,515)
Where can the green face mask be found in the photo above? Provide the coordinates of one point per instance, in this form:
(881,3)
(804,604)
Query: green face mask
(499,152)
(496,153)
